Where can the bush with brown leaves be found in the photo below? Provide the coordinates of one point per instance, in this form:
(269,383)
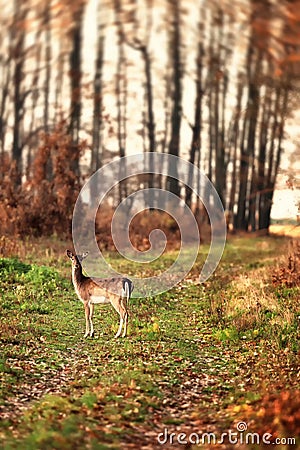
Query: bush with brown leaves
(43,204)
(288,271)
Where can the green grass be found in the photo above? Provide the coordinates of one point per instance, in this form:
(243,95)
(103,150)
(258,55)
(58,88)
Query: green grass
(194,355)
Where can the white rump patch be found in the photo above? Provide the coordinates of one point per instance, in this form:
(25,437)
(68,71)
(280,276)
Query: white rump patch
(98,299)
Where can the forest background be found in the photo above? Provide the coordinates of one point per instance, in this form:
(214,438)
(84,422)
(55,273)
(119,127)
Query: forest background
(83,82)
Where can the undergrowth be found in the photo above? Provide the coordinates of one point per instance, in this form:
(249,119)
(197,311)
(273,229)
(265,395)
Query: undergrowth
(261,303)
(43,204)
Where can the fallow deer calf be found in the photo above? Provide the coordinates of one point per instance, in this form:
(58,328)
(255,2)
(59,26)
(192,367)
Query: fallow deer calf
(91,291)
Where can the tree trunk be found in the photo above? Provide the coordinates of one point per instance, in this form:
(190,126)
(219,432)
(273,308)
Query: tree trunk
(196,129)
(19,96)
(97,110)
(121,98)
(263,145)
(234,141)
(248,143)
(172,184)
(48,61)
(75,82)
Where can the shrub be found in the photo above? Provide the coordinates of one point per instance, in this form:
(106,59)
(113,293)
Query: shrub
(43,204)
(287,273)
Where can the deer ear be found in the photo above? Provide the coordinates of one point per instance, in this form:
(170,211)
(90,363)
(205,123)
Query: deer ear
(69,253)
(84,255)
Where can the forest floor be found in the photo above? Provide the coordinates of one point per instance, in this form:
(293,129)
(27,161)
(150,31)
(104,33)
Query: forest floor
(213,365)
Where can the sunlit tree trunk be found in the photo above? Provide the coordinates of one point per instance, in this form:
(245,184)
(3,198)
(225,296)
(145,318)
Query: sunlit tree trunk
(5,70)
(31,138)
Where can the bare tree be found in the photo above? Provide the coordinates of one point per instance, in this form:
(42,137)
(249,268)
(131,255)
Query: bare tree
(121,95)
(6,64)
(75,78)
(48,60)
(17,49)
(197,125)
(254,68)
(233,141)
(97,94)
(220,51)
(142,45)
(176,115)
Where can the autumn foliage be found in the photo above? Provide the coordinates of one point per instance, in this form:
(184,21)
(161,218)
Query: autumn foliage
(43,205)
(277,414)
(139,229)
(288,271)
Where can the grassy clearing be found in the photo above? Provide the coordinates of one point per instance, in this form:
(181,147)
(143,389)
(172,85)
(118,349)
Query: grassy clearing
(197,358)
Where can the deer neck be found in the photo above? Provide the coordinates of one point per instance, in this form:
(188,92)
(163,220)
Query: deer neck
(77,275)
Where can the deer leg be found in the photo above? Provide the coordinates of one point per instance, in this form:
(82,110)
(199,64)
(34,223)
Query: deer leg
(91,319)
(124,305)
(87,319)
(120,325)
(125,324)
(123,313)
